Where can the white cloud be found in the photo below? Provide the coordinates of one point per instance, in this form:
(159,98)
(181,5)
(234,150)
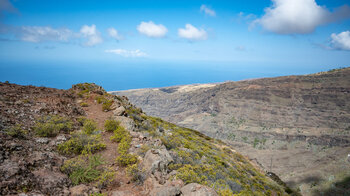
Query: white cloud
(207,10)
(91,33)
(152,30)
(298,16)
(192,33)
(44,33)
(127,53)
(341,41)
(112,32)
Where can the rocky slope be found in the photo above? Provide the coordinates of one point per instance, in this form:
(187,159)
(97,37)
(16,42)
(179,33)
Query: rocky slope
(295,126)
(84,141)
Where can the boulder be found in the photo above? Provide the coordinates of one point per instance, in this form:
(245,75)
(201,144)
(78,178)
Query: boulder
(79,190)
(30,194)
(119,111)
(166,191)
(156,163)
(8,169)
(50,182)
(122,193)
(195,189)
(157,160)
(125,122)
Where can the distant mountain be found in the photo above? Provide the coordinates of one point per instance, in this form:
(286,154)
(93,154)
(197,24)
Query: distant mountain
(295,126)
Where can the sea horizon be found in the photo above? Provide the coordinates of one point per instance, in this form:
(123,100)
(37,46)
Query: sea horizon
(114,76)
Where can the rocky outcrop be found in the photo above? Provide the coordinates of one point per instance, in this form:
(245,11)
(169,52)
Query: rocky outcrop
(25,165)
(195,189)
(156,163)
(24,104)
(82,190)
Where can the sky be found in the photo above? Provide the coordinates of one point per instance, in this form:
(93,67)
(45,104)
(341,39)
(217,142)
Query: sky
(160,43)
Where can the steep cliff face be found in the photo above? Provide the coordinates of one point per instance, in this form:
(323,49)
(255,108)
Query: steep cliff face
(84,141)
(292,123)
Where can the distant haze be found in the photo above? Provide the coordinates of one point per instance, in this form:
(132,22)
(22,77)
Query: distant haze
(123,76)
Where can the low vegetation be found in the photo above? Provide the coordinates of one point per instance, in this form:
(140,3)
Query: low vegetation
(84,89)
(124,159)
(89,126)
(84,104)
(16,131)
(86,169)
(106,106)
(136,173)
(50,126)
(81,143)
(119,134)
(105,101)
(201,159)
(111,125)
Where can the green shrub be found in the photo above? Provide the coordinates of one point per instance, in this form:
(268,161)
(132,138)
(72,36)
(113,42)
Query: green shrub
(16,131)
(100,99)
(188,174)
(81,143)
(83,169)
(89,126)
(84,104)
(81,120)
(111,125)
(137,175)
(82,93)
(203,160)
(106,106)
(50,126)
(126,159)
(124,145)
(225,192)
(123,137)
(119,134)
(98,194)
(105,178)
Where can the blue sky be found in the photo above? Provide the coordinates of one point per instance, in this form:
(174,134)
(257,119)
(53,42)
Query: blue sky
(253,33)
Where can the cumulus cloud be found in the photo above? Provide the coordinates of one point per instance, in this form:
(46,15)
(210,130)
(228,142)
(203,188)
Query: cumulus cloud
(341,41)
(93,36)
(207,10)
(43,33)
(152,30)
(192,33)
(127,53)
(113,33)
(298,16)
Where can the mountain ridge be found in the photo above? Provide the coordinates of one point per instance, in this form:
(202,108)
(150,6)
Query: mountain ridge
(306,117)
(84,141)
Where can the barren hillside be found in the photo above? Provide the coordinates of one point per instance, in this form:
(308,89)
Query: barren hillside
(296,126)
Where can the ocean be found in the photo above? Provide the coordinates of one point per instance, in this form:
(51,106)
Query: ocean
(123,76)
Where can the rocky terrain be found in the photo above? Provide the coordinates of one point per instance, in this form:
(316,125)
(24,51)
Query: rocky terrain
(84,141)
(295,126)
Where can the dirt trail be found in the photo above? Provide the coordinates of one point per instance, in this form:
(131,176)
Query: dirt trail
(122,182)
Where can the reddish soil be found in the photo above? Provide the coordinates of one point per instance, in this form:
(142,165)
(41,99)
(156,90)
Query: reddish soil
(122,181)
